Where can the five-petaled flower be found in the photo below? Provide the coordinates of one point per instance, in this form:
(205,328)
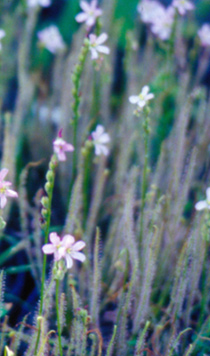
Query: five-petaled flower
(89,14)
(100,138)
(51,38)
(96,45)
(142,99)
(183,6)
(43,3)
(65,248)
(204,204)
(60,147)
(4,189)
(2,35)
(150,11)
(204,35)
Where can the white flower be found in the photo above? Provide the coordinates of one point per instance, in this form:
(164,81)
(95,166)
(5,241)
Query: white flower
(51,38)
(2,34)
(150,10)
(96,45)
(100,138)
(162,25)
(43,3)
(183,6)
(142,99)
(90,14)
(204,35)
(204,204)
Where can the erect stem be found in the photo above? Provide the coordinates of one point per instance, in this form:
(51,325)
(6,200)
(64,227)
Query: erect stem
(58,317)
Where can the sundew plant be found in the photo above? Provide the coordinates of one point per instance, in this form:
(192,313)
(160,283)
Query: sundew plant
(104,178)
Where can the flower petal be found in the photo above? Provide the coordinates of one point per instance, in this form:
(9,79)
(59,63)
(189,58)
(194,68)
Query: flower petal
(208,194)
(11,193)
(79,245)
(48,249)
(102,38)
(81,17)
(104,138)
(134,99)
(3,173)
(145,90)
(69,261)
(54,238)
(201,205)
(61,156)
(68,147)
(85,6)
(103,49)
(3,201)
(68,241)
(78,256)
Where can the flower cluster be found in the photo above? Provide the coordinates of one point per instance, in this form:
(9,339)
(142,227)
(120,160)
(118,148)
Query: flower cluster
(90,13)
(160,18)
(65,248)
(5,191)
(142,99)
(51,39)
(100,139)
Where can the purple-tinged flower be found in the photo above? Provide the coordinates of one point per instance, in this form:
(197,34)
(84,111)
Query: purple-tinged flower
(89,14)
(43,3)
(142,99)
(204,35)
(204,204)
(100,139)
(54,247)
(162,25)
(60,147)
(70,250)
(183,6)
(96,45)
(4,189)
(150,10)
(2,35)
(51,38)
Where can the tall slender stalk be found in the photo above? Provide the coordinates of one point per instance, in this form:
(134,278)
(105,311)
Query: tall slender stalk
(58,317)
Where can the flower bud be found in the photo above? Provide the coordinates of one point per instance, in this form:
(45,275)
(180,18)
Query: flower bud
(45,202)
(50,176)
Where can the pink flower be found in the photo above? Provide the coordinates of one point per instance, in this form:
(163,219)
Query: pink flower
(204,35)
(55,247)
(60,147)
(100,138)
(51,39)
(162,25)
(90,14)
(183,6)
(70,250)
(142,99)
(150,10)
(4,189)
(96,45)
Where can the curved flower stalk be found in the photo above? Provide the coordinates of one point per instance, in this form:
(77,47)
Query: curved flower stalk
(51,39)
(2,35)
(142,99)
(43,3)
(183,6)
(204,35)
(96,45)
(5,191)
(204,204)
(100,139)
(90,13)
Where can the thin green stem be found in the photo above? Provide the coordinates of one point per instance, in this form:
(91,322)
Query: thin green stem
(58,317)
